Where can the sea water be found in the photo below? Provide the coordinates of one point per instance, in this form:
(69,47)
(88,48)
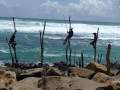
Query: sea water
(28,43)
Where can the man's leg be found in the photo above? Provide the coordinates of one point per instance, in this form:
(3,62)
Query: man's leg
(15,55)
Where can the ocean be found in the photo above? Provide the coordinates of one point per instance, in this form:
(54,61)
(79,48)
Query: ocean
(28,43)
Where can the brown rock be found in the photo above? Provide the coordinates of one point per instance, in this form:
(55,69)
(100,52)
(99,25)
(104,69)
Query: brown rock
(3,87)
(29,83)
(102,78)
(7,78)
(36,72)
(115,85)
(56,83)
(81,72)
(98,68)
(67,83)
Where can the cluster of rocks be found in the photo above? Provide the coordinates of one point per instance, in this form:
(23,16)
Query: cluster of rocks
(52,78)
(26,66)
(98,73)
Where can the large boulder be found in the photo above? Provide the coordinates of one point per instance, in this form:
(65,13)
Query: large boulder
(98,68)
(29,83)
(48,83)
(102,78)
(7,78)
(68,83)
(56,83)
(35,72)
(80,72)
(38,72)
(115,85)
(3,87)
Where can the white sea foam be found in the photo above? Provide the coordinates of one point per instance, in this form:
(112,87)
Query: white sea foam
(4,51)
(106,31)
(53,37)
(35,26)
(52,55)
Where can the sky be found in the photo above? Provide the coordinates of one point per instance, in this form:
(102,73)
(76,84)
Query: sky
(93,10)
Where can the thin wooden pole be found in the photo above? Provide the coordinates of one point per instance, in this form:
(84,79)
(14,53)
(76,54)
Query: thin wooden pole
(10,51)
(42,44)
(67,54)
(70,52)
(74,58)
(14,49)
(95,53)
(16,60)
(100,58)
(82,59)
(79,62)
(69,22)
(14,24)
(108,57)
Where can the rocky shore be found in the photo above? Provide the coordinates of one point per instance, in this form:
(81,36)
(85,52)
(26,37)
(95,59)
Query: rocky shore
(60,77)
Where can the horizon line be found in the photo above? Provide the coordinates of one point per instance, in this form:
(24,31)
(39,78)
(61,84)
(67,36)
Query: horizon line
(65,20)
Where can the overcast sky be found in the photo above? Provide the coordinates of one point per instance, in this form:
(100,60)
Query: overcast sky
(95,10)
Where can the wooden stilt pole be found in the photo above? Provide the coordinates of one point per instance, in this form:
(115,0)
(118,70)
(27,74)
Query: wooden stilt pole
(108,58)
